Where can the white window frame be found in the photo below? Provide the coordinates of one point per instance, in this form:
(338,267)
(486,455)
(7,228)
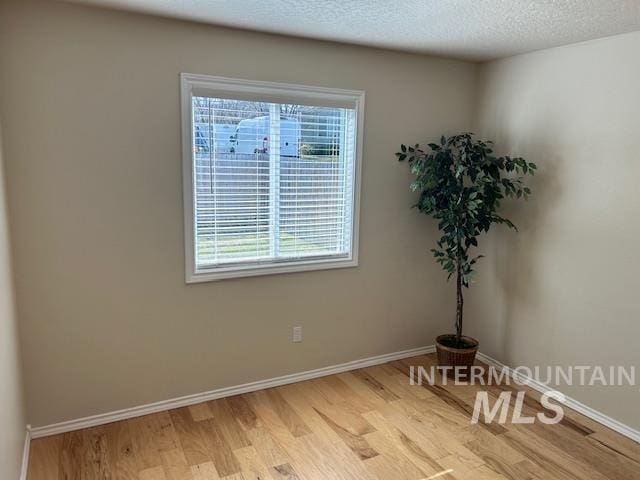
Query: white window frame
(221,87)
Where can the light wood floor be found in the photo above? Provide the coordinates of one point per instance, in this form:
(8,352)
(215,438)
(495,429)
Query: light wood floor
(365,424)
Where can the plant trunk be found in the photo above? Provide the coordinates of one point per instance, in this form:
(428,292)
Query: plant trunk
(459,306)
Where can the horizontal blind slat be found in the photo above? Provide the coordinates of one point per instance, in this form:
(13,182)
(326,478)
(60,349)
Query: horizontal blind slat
(239,217)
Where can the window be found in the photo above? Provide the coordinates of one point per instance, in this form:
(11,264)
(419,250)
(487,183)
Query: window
(271,177)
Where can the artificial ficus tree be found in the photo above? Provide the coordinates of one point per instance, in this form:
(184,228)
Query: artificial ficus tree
(461,184)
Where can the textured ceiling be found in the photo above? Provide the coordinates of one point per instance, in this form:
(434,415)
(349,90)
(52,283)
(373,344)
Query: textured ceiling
(468,29)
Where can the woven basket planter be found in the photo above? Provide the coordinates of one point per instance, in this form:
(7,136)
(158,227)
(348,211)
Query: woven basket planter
(461,359)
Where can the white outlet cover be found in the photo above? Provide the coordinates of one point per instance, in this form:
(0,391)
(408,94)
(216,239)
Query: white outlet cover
(297,334)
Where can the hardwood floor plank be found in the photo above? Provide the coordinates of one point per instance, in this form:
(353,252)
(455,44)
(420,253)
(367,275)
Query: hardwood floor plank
(326,391)
(608,462)
(616,443)
(253,468)
(268,447)
(96,462)
(463,467)
(548,458)
(219,450)
(436,438)
(438,413)
(224,418)
(204,471)
(324,437)
(44,458)
(388,381)
(463,407)
(155,473)
(284,472)
(267,417)
(175,465)
(529,471)
(531,407)
(366,424)
(340,411)
(72,453)
(408,391)
(200,411)
(291,420)
(355,442)
(362,389)
(497,456)
(122,457)
(486,443)
(357,401)
(235,476)
(330,459)
(383,467)
(375,386)
(192,437)
(401,449)
(242,411)
(145,443)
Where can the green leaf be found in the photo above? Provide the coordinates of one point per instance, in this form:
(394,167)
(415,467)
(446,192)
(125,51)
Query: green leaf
(462,186)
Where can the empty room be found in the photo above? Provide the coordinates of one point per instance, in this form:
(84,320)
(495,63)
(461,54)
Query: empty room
(319,239)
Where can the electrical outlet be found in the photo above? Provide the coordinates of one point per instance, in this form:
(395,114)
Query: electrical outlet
(297,334)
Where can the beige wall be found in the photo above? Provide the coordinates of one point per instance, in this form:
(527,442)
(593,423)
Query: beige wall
(90,101)
(565,290)
(12,417)
(91,105)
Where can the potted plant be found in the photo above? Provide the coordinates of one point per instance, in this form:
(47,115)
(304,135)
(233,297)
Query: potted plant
(461,184)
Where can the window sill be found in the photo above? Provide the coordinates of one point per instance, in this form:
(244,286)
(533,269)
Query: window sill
(212,275)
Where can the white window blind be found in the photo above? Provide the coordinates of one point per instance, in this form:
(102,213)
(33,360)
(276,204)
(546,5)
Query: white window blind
(273,183)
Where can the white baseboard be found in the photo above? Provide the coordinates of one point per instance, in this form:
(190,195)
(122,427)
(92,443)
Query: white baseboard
(25,453)
(138,411)
(572,403)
